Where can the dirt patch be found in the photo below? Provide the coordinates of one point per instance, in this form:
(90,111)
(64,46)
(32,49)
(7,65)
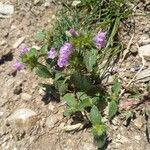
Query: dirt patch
(47,133)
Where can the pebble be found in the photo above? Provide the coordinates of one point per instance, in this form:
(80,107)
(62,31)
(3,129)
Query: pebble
(139,122)
(51,121)
(18,42)
(25,96)
(6,9)
(144,39)
(1,114)
(23,117)
(145,51)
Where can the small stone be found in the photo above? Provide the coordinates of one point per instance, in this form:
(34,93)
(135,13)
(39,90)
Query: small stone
(139,122)
(48,3)
(26,96)
(3,42)
(51,107)
(6,9)
(75,3)
(36,2)
(137,137)
(1,114)
(144,39)
(145,51)
(23,118)
(18,42)
(51,121)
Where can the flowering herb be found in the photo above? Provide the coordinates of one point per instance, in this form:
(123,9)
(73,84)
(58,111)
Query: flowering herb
(18,66)
(100,40)
(52,53)
(73,32)
(23,49)
(64,54)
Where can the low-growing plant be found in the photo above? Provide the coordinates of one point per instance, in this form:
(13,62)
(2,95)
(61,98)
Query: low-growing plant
(77,52)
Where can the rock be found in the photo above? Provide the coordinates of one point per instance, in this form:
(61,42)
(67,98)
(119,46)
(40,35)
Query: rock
(3,42)
(48,3)
(75,3)
(74,127)
(138,137)
(139,122)
(23,118)
(36,2)
(1,114)
(6,9)
(25,96)
(51,121)
(18,42)
(145,51)
(144,75)
(144,39)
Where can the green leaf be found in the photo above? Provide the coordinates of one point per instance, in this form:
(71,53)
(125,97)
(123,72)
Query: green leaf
(90,59)
(81,82)
(99,141)
(113,108)
(116,87)
(99,129)
(44,49)
(70,99)
(95,116)
(40,35)
(42,71)
(61,86)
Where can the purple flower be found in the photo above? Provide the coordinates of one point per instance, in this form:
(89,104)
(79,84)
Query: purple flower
(64,54)
(23,48)
(62,62)
(52,53)
(73,32)
(18,66)
(100,40)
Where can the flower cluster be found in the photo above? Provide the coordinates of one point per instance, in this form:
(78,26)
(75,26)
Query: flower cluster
(23,49)
(52,53)
(100,40)
(64,54)
(18,66)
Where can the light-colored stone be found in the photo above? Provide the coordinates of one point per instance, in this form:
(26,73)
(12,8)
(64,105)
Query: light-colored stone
(48,3)
(51,121)
(139,122)
(6,9)
(26,96)
(1,114)
(75,3)
(145,51)
(23,118)
(18,42)
(36,2)
(144,39)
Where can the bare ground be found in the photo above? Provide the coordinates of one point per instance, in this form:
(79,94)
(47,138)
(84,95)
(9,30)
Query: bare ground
(22,91)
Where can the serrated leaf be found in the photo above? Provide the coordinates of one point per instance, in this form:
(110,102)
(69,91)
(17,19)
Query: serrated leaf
(70,99)
(116,87)
(95,116)
(42,71)
(90,59)
(40,35)
(113,108)
(44,49)
(85,103)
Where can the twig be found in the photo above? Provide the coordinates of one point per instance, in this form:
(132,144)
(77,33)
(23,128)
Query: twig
(128,47)
(143,64)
